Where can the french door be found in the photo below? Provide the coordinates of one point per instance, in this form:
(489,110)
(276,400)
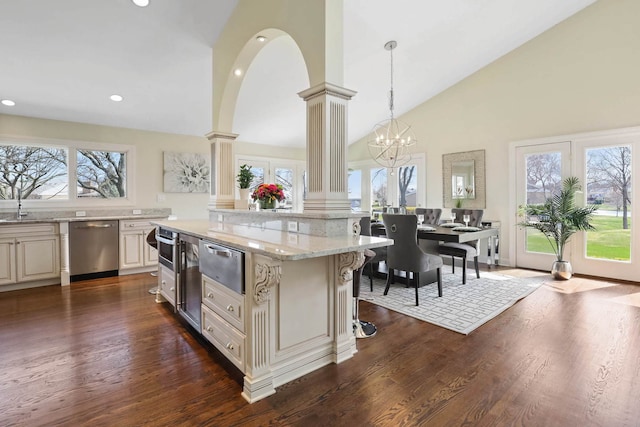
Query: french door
(540,170)
(606,164)
(609,165)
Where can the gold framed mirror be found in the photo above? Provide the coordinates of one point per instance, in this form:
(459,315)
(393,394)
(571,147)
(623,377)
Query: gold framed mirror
(463,180)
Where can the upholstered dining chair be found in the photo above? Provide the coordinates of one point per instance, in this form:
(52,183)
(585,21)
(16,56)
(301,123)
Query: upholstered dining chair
(464,250)
(431,216)
(380,253)
(405,254)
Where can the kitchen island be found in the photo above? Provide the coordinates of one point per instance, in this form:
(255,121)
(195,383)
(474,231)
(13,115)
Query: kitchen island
(295,315)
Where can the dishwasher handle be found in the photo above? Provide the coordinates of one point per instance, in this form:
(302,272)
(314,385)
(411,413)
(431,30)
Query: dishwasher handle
(219,252)
(95,226)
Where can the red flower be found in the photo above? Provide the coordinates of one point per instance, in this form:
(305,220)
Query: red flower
(268,192)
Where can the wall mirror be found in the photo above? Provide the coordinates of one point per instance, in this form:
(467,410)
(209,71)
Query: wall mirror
(463,179)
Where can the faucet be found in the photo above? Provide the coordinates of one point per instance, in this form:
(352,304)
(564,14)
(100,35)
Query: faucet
(20,213)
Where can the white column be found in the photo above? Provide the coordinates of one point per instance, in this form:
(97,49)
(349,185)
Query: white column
(258,380)
(222,171)
(65,271)
(344,345)
(327,144)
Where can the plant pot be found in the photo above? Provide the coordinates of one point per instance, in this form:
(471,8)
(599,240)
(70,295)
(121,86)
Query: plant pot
(561,270)
(244,194)
(267,204)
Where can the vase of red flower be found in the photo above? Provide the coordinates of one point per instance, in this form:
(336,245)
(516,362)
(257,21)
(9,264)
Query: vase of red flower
(268,194)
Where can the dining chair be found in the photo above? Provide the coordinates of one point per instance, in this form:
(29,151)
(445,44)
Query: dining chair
(380,253)
(405,254)
(431,216)
(464,250)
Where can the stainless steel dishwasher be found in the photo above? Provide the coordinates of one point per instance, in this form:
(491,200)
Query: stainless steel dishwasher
(93,249)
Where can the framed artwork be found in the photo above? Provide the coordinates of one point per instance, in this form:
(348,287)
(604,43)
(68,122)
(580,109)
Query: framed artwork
(186,173)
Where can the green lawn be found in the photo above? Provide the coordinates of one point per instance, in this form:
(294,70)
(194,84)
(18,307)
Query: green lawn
(608,241)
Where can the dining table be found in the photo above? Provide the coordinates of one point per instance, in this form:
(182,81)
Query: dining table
(461,234)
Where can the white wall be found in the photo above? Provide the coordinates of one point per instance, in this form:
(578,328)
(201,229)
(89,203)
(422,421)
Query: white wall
(149,157)
(579,76)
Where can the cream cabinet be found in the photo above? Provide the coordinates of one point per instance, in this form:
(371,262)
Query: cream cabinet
(135,253)
(223,320)
(167,284)
(29,253)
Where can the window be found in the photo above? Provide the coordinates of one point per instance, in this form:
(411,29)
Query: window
(288,173)
(101,174)
(355,189)
(284,177)
(378,188)
(36,173)
(372,187)
(66,173)
(408,186)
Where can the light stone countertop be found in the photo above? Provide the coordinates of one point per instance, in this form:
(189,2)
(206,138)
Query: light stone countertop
(74,219)
(275,244)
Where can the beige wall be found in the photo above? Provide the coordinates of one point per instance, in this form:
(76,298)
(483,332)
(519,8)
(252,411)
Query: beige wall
(579,76)
(149,158)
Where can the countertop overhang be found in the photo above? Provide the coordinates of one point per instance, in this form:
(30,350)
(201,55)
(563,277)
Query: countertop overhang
(285,246)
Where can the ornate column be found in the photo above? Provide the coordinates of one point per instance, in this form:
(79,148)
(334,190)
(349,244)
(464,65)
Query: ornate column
(327,147)
(222,172)
(344,345)
(258,380)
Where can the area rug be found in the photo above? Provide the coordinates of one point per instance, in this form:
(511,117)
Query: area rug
(462,308)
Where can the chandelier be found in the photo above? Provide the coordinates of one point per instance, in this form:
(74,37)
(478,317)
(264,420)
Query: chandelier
(391,138)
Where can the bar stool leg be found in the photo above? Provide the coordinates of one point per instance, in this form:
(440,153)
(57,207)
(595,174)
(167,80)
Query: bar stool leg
(361,329)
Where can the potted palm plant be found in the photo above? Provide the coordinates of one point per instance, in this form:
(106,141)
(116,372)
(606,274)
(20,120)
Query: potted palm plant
(558,219)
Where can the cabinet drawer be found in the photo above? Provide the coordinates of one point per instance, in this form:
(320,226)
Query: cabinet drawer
(167,284)
(224,337)
(131,225)
(226,303)
(30,229)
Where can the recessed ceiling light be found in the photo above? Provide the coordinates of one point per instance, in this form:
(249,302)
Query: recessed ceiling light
(8,102)
(261,38)
(237,72)
(116,98)
(141,3)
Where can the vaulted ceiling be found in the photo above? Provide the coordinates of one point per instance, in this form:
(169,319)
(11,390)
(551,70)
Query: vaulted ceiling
(63,59)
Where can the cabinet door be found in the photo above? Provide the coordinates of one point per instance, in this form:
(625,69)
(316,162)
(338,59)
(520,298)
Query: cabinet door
(131,249)
(38,257)
(7,261)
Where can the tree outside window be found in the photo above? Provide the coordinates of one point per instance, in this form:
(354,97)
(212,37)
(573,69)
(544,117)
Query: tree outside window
(101,174)
(36,173)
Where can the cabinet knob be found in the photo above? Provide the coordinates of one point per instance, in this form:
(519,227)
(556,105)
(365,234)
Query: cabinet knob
(230,346)
(164,282)
(229,308)
(209,329)
(172,289)
(210,295)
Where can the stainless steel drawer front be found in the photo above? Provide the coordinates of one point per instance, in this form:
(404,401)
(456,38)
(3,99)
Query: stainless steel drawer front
(224,265)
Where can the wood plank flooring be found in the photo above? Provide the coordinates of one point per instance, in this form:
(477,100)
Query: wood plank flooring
(103,353)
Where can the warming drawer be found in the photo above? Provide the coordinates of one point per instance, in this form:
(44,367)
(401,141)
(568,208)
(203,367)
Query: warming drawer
(222,264)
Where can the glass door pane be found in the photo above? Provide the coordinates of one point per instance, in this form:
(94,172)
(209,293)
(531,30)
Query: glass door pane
(378,189)
(408,186)
(540,170)
(544,180)
(284,177)
(355,189)
(609,187)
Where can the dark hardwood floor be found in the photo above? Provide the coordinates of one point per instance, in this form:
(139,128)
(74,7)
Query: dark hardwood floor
(103,353)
